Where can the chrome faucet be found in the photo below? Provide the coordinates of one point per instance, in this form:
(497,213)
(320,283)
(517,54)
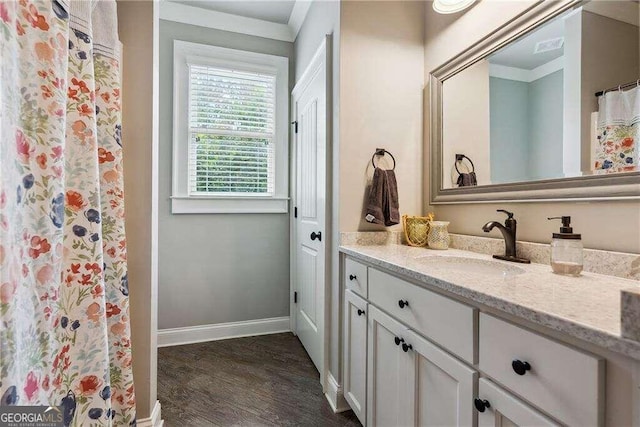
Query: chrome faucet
(508,231)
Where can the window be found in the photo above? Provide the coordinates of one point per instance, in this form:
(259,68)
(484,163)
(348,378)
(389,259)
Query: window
(230,130)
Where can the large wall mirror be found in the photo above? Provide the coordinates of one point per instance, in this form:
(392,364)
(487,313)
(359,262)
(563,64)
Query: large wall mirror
(547,107)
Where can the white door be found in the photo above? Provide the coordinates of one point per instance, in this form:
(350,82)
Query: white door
(497,408)
(310,230)
(443,387)
(389,372)
(355,353)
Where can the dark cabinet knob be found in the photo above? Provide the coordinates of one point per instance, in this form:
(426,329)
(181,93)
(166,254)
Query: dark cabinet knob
(352,277)
(398,340)
(406,347)
(317,235)
(403,303)
(360,312)
(481,405)
(520,367)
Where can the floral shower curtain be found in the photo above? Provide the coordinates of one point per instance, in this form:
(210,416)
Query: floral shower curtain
(64,306)
(618,132)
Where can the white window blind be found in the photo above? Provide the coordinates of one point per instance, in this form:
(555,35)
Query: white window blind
(231,132)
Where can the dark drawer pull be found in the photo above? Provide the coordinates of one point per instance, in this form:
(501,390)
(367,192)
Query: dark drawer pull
(398,340)
(352,277)
(403,303)
(520,367)
(406,347)
(481,405)
(360,312)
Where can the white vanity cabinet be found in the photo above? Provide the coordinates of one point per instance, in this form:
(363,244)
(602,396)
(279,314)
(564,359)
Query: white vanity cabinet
(496,407)
(442,388)
(411,381)
(563,381)
(445,321)
(355,353)
(389,372)
(355,277)
(414,357)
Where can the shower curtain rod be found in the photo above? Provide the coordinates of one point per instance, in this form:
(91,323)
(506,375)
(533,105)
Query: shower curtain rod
(624,86)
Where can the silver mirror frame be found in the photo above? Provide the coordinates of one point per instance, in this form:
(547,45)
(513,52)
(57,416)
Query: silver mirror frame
(623,186)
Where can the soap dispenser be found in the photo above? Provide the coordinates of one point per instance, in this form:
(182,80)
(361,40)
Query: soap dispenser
(566,249)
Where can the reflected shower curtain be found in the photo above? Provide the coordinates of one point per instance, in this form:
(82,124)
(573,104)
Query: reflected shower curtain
(618,132)
(64,306)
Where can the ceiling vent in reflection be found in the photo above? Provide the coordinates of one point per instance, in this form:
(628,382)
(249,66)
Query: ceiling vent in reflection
(549,45)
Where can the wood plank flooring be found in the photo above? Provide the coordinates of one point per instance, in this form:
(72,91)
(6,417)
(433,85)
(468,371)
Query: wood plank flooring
(257,381)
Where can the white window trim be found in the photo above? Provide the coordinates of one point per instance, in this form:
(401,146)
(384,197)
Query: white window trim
(181,201)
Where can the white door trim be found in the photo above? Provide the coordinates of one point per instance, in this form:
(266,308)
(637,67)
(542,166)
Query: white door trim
(322,58)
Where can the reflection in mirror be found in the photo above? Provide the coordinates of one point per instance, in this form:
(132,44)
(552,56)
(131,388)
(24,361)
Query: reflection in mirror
(535,109)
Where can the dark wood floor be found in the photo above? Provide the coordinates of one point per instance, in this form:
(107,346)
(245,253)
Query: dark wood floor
(256,381)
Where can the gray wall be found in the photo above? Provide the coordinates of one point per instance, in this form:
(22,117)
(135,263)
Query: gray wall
(526,128)
(545,127)
(324,18)
(509,111)
(216,268)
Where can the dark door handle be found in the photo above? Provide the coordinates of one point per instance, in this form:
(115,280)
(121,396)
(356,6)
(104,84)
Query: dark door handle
(520,367)
(481,405)
(352,277)
(403,303)
(360,312)
(406,347)
(317,235)
(398,340)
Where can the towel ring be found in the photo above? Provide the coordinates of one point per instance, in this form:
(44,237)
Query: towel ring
(382,152)
(459,158)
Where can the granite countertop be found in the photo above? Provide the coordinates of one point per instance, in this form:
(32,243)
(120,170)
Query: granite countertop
(585,307)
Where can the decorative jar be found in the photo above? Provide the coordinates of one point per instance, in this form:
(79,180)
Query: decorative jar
(438,235)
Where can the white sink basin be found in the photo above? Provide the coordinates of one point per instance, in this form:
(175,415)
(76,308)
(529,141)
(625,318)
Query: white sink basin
(470,265)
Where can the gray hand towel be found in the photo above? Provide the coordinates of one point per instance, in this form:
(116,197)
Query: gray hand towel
(382,203)
(467,179)
(375,201)
(391,205)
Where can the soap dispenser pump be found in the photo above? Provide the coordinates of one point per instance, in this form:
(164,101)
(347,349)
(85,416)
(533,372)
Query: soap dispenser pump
(566,249)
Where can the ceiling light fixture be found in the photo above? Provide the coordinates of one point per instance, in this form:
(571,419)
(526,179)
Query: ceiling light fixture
(451,6)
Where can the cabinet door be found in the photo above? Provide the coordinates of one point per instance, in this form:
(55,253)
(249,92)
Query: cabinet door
(497,407)
(389,372)
(444,387)
(355,353)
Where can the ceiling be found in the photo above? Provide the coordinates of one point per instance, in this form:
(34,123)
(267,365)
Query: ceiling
(521,53)
(277,11)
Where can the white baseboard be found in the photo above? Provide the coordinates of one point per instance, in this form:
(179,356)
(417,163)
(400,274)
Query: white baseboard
(335,395)
(155,420)
(220,331)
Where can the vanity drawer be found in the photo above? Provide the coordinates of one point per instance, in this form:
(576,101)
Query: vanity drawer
(564,382)
(442,320)
(355,277)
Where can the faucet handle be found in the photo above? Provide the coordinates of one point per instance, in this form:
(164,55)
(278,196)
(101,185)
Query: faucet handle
(507,212)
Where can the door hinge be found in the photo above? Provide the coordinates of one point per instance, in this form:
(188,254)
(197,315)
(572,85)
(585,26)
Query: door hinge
(295,212)
(295,297)
(295,126)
